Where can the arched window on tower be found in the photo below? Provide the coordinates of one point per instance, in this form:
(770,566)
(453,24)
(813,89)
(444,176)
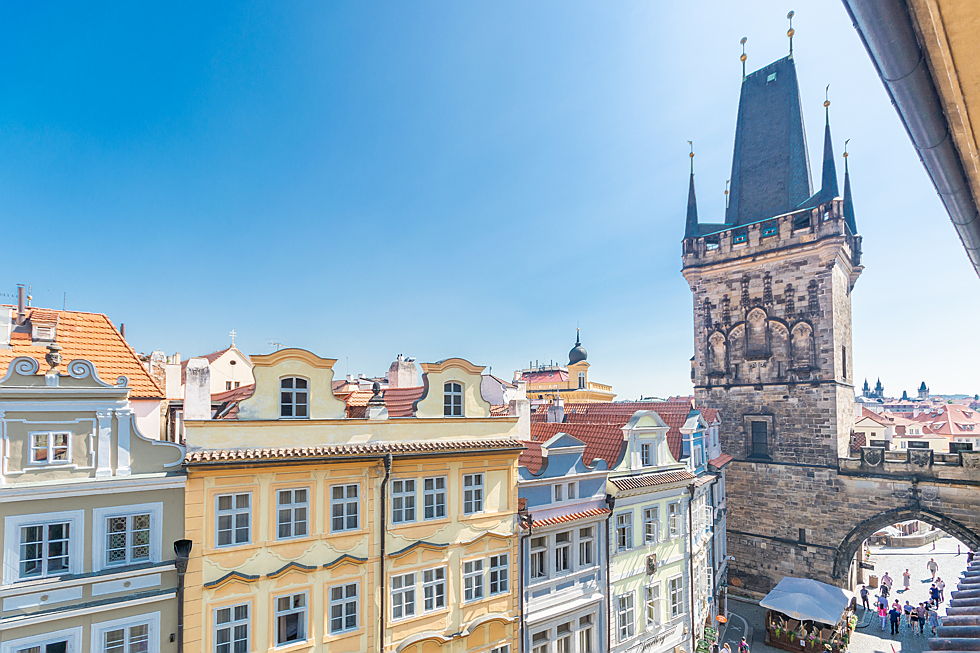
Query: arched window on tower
(581,380)
(717,354)
(756,336)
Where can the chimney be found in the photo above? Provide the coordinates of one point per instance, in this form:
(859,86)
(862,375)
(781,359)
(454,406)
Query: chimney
(122,330)
(21,305)
(197,390)
(156,365)
(376,408)
(556,411)
(402,373)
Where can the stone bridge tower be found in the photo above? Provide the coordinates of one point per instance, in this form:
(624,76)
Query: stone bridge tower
(772,339)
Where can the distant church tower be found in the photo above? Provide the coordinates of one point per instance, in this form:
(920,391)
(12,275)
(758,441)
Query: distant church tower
(772,330)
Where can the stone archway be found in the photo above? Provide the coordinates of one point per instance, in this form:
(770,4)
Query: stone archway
(849,546)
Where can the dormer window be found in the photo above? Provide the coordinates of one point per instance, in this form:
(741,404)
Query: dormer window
(452,405)
(648,454)
(42,333)
(294,397)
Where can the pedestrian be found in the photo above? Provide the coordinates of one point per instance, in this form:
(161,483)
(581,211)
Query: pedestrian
(907,609)
(914,619)
(864,597)
(934,595)
(941,586)
(743,646)
(895,616)
(957,548)
(886,581)
(933,621)
(920,612)
(726,648)
(883,615)
(884,591)
(969,556)
(883,601)
(933,567)
(906,579)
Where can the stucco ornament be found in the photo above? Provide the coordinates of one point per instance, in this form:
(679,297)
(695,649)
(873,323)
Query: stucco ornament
(920,457)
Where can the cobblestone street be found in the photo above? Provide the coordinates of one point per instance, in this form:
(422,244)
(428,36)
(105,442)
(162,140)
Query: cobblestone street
(748,618)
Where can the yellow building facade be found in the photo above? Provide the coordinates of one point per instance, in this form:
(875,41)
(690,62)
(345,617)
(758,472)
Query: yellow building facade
(317,532)
(569,382)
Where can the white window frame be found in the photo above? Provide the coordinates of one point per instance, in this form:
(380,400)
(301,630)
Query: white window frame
(474,584)
(651,526)
(474,494)
(505,648)
(625,617)
(586,543)
(564,641)
(558,493)
(344,603)
(150,619)
(498,573)
(653,601)
(648,454)
(230,625)
(439,497)
(564,550)
(453,402)
(675,590)
(571,490)
(406,590)
(408,500)
(292,507)
(628,515)
(49,449)
(303,611)
(294,401)
(437,586)
(541,552)
(344,504)
(76,541)
(234,511)
(585,633)
(675,527)
(99,519)
(73,636)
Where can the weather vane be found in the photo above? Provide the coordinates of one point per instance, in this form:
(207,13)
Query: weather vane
(845,147)
(691,143)
(744,56)
(826,97)
(790,32)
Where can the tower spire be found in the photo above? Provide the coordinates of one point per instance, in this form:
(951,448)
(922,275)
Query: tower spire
(848,201)
(691,226)
(828,181)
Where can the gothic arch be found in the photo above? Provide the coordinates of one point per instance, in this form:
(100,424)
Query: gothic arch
(757,334)
(802,346)
(717,353)
(849,545)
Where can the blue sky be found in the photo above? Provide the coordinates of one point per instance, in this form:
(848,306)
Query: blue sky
(437,179)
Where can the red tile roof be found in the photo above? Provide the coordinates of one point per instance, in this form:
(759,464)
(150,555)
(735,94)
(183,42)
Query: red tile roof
(217,456)
(720,461)
(531,457)
(235,394)
(213,356)
(398,401)
(546,376)
(652,480)
(88,336)
(603,441)
(571,517)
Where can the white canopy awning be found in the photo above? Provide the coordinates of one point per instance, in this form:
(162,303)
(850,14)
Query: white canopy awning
(807,600)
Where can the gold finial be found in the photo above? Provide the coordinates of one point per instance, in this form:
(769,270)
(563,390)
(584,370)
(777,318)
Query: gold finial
(826,97)
(790,32)
(845,147)
(744,56)
(691,143)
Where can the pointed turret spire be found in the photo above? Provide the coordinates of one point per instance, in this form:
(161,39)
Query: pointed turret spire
(848,202)
(828,181)
(691,227)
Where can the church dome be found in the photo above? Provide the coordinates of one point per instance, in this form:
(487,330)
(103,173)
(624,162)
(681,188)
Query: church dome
(577,353)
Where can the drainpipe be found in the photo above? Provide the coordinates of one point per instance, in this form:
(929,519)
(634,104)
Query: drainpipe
(182,549)
(527,521)
(690,559)
(611,502)
(383,531)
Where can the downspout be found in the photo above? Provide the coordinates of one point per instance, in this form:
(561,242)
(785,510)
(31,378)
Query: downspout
(524,539)
(382,536)
(182,549)
(690,558)
(611,502)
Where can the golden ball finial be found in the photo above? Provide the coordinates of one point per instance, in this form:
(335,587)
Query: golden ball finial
(826,103)
(742,58)
(790,32)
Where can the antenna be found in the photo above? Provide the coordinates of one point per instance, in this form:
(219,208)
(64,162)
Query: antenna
(276,344)
(744,56)
(790,32)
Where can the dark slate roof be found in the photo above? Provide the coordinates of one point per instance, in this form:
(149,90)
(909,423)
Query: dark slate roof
(849,207)
(691,230)
(770,168)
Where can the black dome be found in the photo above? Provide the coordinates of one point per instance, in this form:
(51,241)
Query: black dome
(577,353)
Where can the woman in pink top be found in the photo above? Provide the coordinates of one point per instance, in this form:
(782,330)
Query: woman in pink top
(883,613)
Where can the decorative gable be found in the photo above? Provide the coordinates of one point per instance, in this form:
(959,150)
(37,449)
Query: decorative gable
(451,388)
(315,373)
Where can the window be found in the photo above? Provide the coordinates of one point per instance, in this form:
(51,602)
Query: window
(132,639)
(402,596)
(434,588)
(452,405)
(50,448)
(292,510)
(499,574)
(625,618)
(539,557)
(343,608)
(559,492)
(227,385)
(581,380)
(61,641)
(624,531)
(290,619)
(651,525)
(674,525)
(648,454)
(571,490)
(501,649)
(403,501)
(698,457)
(344,507)
(586,547)
(234,519)
(563,552)
(760,439)
(563,640)
(434,497)
(676,597)
(843,365)
(472,493)
(653,605)
(294,397)
(473,580)
(586,634)
(231,629)
(44,549)
(127,539)
(539,642)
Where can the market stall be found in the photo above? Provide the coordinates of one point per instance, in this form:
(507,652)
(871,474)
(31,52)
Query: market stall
(808,616)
